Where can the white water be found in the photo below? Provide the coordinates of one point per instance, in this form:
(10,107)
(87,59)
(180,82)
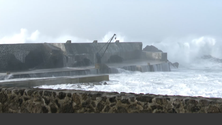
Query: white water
(204,82)
(195,76)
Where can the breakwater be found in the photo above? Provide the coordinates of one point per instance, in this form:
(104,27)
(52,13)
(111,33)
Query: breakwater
(25,100)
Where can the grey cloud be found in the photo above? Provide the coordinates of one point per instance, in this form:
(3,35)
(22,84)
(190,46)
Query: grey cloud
(139,20)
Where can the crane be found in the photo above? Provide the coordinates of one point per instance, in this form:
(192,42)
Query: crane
(98,56)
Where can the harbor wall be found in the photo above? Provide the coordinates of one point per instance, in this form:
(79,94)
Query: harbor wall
(25,100)
(18,57)
(21,57)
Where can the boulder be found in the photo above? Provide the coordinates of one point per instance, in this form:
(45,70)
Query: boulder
(151,49)
(175,65)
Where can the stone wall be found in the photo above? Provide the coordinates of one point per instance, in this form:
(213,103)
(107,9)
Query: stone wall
(154,55)
(19,57)
(23,100)
(126,50)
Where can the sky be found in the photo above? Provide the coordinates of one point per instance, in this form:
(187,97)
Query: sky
(87,20)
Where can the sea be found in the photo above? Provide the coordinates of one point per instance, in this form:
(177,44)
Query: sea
(195,76)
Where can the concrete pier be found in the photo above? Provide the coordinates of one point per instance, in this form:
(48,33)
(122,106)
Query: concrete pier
(53,81)
(135,65)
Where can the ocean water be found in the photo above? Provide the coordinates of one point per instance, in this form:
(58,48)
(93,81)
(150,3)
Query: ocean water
(194,77)
(192,81)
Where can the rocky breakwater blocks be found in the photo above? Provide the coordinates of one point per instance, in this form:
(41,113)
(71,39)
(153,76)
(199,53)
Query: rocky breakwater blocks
(23,100)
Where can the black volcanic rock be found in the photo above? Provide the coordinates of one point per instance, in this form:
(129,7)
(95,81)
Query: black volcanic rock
(151,49)
(211,58)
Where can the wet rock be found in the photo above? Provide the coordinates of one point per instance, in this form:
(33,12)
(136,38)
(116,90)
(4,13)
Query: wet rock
(40,93)
(133,107)
(107,109)
(12,97)
(54,94)
(21,92)
(24,110)
(161,101)
(61,95)
(67,108)
(157,107)
(159,111)
(104,99)
(53,108)
(90,109)
(103,68)
(146,111)
(112,99)
(3,98)
(121,110)
(26,98)
(47,101)
(151,49)
(93,104)
(213,109)
(47,93)
(100,106)
(132,99)
(69,95)
(35,108)
(195,109)
(172,111)
(20,102)
(191,102)
(112,105)
(44,109)
(76,99)
(125,101)
(176,105)
(85,104)
(176,64)
(144,99)
(203,102)
(57,103)
(84,96)
(30,92)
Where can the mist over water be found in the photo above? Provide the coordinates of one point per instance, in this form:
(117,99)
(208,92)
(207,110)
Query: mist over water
(25,36)
(186,82)
(190,49)
(194,77)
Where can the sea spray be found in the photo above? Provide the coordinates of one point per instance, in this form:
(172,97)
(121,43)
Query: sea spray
(186,50)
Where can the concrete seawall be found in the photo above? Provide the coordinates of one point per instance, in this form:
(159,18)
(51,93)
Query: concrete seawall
(23,57)
(18,57)
(23,100)
(68,71)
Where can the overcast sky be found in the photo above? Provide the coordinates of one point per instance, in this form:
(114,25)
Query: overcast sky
(135,20)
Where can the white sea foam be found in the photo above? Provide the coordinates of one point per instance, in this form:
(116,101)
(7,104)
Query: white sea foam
(24,36)
(195,76)
(188,82)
